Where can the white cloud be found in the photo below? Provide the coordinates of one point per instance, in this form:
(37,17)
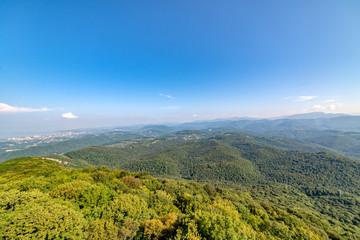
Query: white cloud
(195,115)
(319,107)
(6,108)
(69,115)
(167,96)
(305,98)
(328,107)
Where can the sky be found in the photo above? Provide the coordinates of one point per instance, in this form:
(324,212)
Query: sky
(80,64)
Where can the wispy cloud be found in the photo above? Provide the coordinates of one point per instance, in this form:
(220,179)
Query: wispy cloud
(6,108)
(69,115)
(167,96)
(301,98)
(305,98)
(330,100)
(170,107)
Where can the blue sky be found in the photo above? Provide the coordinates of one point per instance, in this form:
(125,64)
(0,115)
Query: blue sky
(113,63)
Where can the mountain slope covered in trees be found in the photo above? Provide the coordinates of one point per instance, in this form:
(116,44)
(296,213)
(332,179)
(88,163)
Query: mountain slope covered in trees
(230,157)
(42,199)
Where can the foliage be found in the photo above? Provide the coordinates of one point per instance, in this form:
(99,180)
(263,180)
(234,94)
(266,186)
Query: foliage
(230,158)
(98,203)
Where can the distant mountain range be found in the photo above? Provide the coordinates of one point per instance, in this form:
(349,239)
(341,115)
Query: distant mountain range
(313,115)
(337,133)
(318,121)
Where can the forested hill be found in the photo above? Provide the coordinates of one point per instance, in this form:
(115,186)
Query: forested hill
(41,199)
(231,158)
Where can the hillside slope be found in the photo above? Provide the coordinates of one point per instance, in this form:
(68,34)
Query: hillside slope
(231,158)
(42,199)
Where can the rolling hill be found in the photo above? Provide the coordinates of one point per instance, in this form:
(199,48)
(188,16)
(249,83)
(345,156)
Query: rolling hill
(42,199)
(228,157)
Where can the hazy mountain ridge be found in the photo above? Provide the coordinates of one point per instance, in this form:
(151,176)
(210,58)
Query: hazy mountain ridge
(316,132)
(313,115)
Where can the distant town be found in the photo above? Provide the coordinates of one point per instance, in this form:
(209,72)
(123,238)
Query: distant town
(19,143)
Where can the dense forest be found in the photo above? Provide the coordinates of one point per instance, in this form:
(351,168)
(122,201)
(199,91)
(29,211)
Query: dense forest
(41,199)
(229,157)
(318,182)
